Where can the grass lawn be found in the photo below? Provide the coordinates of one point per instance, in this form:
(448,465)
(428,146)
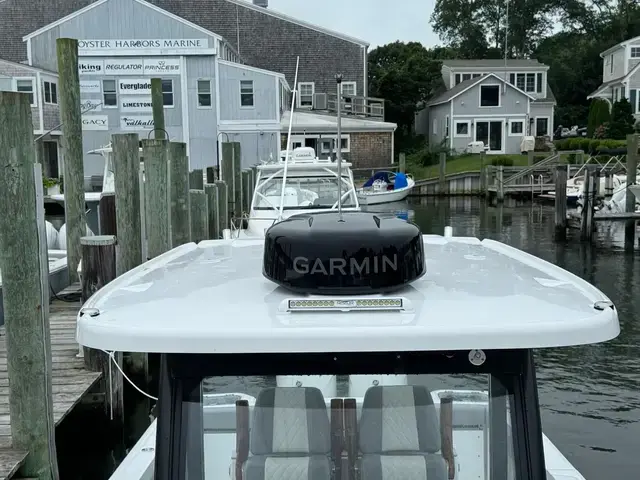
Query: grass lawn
(465,163)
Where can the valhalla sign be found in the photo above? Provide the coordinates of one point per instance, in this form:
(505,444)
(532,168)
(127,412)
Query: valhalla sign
(138,122)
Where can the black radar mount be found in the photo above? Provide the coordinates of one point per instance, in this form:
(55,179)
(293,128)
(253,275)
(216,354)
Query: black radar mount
(348,253)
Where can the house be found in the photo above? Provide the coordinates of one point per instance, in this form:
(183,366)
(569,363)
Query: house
(484,100)
(621,74)
(42,86)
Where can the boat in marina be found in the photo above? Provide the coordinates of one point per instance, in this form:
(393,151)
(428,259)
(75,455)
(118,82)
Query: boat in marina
(386,187)
(346,358)
(614,205)
(575,187)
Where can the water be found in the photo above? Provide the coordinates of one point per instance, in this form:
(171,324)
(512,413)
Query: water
(590,405)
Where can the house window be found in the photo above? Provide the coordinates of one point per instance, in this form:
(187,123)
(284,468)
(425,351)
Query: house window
(520,81)
(204,93)
(246,93)
(531,82)
(461,129)
(512,78)
(26,86)
(458,78)
(635,52)
(466,76)
(489,95)
(109,96)
(446,127)
(516,128)
(542,126)
(327,144)
(476,75)
(611,63)
(348,88)
(538,83)
(306,91)
(167,92)
(50,93)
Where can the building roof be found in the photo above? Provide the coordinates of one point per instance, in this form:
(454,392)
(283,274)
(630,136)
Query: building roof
(304,121)
(622,79)
(27,67)
(19,19)
(492,63)
(466,85)
(619,45)
(475,294)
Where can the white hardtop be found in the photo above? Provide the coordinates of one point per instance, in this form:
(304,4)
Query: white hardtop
(213,298)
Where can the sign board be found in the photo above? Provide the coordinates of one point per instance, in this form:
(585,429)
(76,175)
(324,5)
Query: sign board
(137,86)
(91,67)
(162,66)
(136,122)
(90,106)
(135,104)
(90,86)
(123,66)
(144,46)
(95,122)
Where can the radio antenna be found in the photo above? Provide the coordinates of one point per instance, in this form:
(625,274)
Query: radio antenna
(339,141)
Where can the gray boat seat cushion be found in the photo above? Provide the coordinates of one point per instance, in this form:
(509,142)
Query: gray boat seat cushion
(290,436)
(399,435)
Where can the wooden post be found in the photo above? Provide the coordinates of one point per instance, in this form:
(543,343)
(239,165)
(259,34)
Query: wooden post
(561,203)
(126,165)
(25,292)
(213,211)
(530,158)
(157,105)
(71,119)
(98,269)
(196,180)
(446,434)
(223,207)
(156,171)
(402,163)
(107,214)
(210,173)
(442,181)
(500,184)
(179,194)
(586,221)
(199,216)
(230,173)
(633,143)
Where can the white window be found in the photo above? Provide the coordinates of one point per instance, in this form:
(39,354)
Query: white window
(458,78)
(167,92)
(542,126)
(538,83)
(521,80)
(327,144)
(611,63)
(516,128)
(204,93)
(635,52)
(246,94)
(25,85)
(531,82)
(446,127)
(461,128)
(50,93)
(109,95)
(306,90)
(489,95)
(348,88)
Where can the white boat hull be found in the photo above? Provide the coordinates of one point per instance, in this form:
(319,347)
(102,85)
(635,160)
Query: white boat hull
(371,197)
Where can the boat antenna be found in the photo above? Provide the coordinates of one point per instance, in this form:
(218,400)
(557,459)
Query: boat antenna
(286,158)
(339,141)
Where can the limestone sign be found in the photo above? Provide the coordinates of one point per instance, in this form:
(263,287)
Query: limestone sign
(135,104)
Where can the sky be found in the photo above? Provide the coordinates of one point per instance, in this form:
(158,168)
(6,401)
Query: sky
(376,21)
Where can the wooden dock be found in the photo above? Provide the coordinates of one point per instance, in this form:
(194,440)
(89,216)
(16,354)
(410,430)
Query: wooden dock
(71,381)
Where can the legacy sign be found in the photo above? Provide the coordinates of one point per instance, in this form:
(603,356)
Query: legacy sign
(130,66)
(135,104)
(95,122)
(148,46)
(138,122)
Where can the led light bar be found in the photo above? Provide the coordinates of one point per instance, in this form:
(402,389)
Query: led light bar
(346,304)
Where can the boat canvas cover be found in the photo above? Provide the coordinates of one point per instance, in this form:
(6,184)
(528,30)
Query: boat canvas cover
(400,179)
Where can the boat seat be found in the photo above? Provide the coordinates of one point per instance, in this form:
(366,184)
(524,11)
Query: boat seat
(399,435)
(290,436)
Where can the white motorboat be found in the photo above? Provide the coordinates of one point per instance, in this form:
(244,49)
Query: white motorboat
(310,185)
(386,187)
(346,345)
(575,187)
(614,205)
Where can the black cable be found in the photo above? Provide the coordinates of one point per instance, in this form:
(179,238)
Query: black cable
(69,298)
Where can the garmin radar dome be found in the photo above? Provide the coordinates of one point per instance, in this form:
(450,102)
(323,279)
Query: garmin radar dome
(348,253)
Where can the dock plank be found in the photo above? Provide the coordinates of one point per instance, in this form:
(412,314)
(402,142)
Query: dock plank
(70,381)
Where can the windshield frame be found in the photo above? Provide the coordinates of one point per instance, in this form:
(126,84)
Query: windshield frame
(181,376)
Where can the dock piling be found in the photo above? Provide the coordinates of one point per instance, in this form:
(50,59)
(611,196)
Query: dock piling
(633,142)
(180,222)
(199,216)
(107,214)
(442,181)
(73,165)
(157,106)
(231,174)
(402,162)
(196,180)
(210,174)
(156,192)
(561,203)
(27,333)
(98,269)
(211,191)
(500,184)
(608,184)
(589,193)
(223,205)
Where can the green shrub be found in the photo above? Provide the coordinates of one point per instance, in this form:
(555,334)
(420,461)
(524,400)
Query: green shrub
(504,161)
(588,145)
(622,120)
(598,115)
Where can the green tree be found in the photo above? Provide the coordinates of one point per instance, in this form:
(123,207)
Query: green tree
(598,115)
(622,120)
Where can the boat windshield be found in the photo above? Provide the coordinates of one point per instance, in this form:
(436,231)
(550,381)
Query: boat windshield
(430,426)
(314,192)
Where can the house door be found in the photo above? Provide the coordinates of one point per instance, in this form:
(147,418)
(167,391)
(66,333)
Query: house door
(490,133)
